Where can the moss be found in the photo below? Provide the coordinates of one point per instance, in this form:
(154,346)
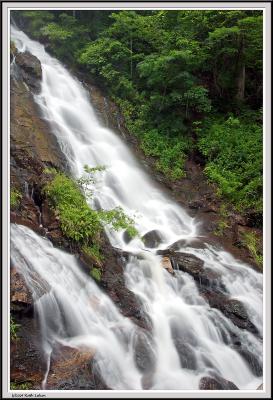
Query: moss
(223,223)
(20,385)
(13,329)
(15,198)
(93,251)
(95,274)
(252,243)
(13,49)
(50,171)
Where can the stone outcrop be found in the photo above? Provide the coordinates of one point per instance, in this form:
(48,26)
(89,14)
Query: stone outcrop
(30,69)
(208,383)
(20,296)
(72,369)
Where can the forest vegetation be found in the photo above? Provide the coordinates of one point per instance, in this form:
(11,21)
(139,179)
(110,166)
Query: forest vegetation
(187,82)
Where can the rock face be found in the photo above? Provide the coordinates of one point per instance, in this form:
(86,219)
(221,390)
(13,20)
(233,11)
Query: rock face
(112,281)
(25,354)
(20,296)
(31,70)
(231,308)
(71,368)
(208,383)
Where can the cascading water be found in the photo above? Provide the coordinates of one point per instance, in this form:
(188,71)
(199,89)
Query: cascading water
(72,309)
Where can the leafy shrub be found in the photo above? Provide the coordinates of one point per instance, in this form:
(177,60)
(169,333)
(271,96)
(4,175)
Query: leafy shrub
(251,242)
(20,385)
(15,198)
(233,148)
(13,329)
(93,251)
(78,221)
(96,274)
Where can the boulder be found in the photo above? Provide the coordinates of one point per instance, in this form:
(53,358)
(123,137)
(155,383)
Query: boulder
(254,364)
(186,355)
(152,239)
(195,267)
(209,383)
(144,356)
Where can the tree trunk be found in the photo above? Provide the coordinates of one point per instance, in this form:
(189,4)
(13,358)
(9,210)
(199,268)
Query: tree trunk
(241,72)
(131,48)
(241,83)
(215,81)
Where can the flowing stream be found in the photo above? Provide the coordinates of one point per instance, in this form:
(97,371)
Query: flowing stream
(72,309)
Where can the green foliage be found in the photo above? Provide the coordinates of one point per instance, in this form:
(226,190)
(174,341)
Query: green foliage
(78,221)
(33,21)
(233,148)
(168,150)
(223,222)
(87,180)
(93,251)
(251,242)
(20,385)
(13,329)
(50,171)
(15,198)
(96,274)
(170,71)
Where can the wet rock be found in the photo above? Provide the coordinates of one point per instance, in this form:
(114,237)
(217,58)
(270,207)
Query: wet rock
(152,239)
(186,354)
(147,381)
(166,264)
(196,204)
(208,383)
(188,263)
(231,308)
(26,353)
(254,364)
(144,356)
(194,243)
(195,267)
(236,308)
(72,369)
(20,296)
(113,282)
(126,237)
(31,69)
(32,143)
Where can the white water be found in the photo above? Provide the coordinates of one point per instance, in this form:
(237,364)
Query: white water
(67,312)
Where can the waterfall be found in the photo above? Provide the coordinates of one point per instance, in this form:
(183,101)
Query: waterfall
(75,312)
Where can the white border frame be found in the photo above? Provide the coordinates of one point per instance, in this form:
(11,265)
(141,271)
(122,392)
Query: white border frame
(266,392)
